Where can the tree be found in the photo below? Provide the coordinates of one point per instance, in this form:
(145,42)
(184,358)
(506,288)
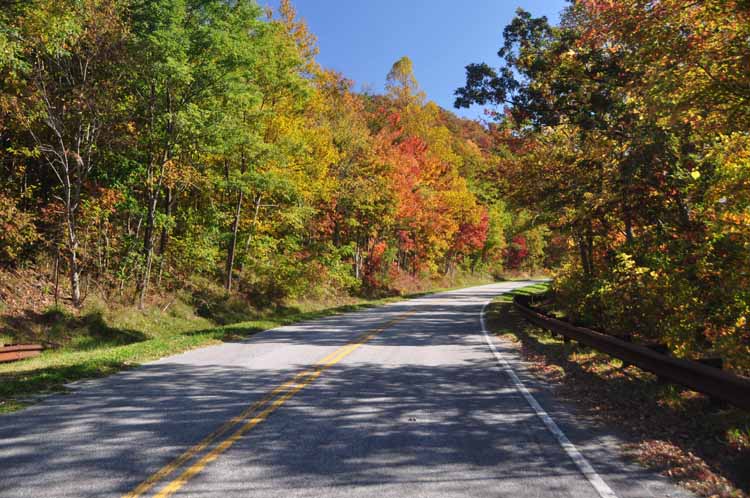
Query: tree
(401,83)
(73,73)
(189,52)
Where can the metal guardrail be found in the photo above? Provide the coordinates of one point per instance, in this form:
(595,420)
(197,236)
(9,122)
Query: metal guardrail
(15,352)
(712,381)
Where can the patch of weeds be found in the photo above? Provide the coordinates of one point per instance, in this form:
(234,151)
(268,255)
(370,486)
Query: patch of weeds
(11,405)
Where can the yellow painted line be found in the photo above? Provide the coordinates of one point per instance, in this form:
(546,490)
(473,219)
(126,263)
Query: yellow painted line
(311,374)
(206,441)
(223,446)
(212,455)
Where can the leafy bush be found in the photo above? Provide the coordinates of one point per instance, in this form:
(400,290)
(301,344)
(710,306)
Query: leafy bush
(658,302)
(17,231)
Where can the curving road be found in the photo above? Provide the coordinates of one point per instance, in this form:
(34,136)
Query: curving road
(406,400)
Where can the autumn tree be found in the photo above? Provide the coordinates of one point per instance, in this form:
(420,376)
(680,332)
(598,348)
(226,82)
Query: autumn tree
(73,71)
(623,120)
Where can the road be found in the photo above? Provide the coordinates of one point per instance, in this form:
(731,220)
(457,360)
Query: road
(404,400)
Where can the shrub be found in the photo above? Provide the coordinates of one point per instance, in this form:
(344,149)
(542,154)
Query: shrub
(17,231)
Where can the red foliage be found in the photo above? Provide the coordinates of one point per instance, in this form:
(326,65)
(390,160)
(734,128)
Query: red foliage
(516,253)
(472,236)
(374,264)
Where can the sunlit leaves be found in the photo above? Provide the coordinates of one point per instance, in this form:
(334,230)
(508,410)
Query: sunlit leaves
(633,119)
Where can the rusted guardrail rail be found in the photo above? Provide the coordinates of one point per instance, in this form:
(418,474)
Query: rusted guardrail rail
(14,352)
(712,381)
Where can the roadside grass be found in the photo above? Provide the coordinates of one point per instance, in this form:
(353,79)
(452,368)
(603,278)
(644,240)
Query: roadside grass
(680,433)
(100,342)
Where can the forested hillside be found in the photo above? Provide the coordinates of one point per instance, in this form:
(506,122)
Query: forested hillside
(150,147)
(632,125)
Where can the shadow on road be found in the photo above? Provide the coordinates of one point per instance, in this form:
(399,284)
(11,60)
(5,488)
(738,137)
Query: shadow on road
(421,407)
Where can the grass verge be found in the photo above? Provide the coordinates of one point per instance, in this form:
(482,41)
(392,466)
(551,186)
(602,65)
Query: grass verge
(98,343)
(677,432)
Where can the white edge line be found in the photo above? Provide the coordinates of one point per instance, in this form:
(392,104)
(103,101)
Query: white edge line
(583,465)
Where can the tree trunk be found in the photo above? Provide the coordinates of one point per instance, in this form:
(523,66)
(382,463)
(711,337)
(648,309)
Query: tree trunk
(255,221)
(233,242)
(148,249)
(357,261)
(585,240)
(584,256)
(57,276)
(590,247)
(164,239)
(629,239)
(627,218)
(154,190)
(75,276)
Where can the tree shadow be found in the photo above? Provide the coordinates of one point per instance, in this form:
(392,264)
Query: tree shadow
(69,335)
(55,328)
(402,429)
(224,309)
(18,385)
(420,410)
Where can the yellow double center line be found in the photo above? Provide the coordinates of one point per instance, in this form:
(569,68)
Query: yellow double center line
(249,418)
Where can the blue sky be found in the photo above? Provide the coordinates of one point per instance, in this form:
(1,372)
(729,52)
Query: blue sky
(363,38)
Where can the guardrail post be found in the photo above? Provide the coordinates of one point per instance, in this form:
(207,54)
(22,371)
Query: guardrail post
(661,349)
(626,338)
(718,363)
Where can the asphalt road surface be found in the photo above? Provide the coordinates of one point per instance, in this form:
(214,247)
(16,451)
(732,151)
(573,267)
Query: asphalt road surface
(412,399)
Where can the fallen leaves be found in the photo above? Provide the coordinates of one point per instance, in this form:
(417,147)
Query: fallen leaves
(684,466)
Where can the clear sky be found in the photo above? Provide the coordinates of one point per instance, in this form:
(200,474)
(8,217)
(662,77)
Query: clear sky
(363,38)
